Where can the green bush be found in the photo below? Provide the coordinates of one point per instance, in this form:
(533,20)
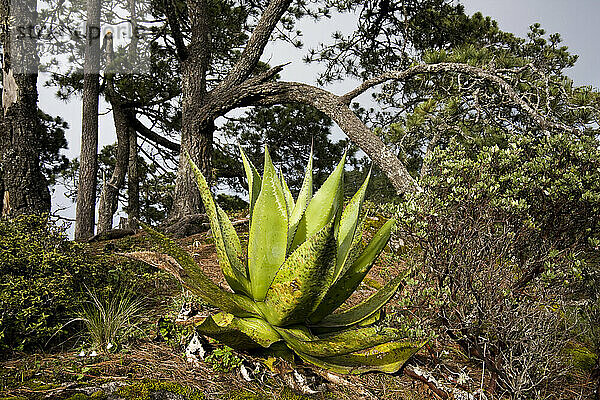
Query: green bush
(42,282)
(506,237)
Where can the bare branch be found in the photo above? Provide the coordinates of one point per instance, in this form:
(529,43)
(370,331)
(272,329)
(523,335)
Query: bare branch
(330,104)
(175,27)
(457,68)
(153,136)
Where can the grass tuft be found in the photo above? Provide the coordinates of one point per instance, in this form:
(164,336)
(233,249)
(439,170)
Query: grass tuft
(111,321)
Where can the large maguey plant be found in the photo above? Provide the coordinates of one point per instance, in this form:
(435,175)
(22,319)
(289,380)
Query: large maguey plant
(304,259)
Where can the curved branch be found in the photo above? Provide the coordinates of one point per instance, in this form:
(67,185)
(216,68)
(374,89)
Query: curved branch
(152,136)
(330,104)
(460,68)
(258,91)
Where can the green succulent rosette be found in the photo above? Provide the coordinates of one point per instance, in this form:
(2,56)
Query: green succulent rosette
(305,258)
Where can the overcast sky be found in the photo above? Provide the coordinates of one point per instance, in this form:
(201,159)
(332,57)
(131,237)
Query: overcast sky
(575,20)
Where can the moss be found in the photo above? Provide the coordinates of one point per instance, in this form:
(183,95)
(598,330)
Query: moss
(80,396)
(581,357)
(286,394)
(142,390)
(37,385)
(246,396)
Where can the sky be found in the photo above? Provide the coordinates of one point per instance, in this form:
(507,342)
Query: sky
(575,20)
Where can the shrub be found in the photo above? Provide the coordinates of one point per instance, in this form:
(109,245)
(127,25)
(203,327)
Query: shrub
(507,235)
(223,359)
(42,279)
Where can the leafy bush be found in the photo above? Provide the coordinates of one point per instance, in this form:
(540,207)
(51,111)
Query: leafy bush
(231,203)
(223,359)
(508,236)
(42,278)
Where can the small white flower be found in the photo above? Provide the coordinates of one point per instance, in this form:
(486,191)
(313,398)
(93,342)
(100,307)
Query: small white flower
(93,353)
(462,378)
(82,353)
(109,346)
(245,373)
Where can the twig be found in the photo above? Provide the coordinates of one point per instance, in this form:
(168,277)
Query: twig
(338,380)
(426,380)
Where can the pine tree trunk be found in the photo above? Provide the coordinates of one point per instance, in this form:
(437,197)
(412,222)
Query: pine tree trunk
(88,168)
(196,140)
(1,188)
(109,197)
(133,171)
(133,182)
(24,187)
(196,129)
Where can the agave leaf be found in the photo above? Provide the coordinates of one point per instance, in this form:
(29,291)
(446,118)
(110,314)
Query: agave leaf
(304,197)
(388,357)
(233,269)
(230,237)
(338,344)
(348,223)
(347,283)
(193,278)
(356,248)
(267,242)
(365,309)
(370,321)
(254,181)
(160,261)
(302,280)
(289,199)
(239,333)
(374,248)
(330,366)
(322,207)
(233,249)
(373,319)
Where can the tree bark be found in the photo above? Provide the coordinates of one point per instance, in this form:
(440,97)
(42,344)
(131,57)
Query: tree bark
(133,182)
(196,140)
(88,167)
(133,172)
(196,129)
(1,184)
(24,187)
(109,197)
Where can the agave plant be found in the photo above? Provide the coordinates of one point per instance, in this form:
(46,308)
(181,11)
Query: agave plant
(304,259)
